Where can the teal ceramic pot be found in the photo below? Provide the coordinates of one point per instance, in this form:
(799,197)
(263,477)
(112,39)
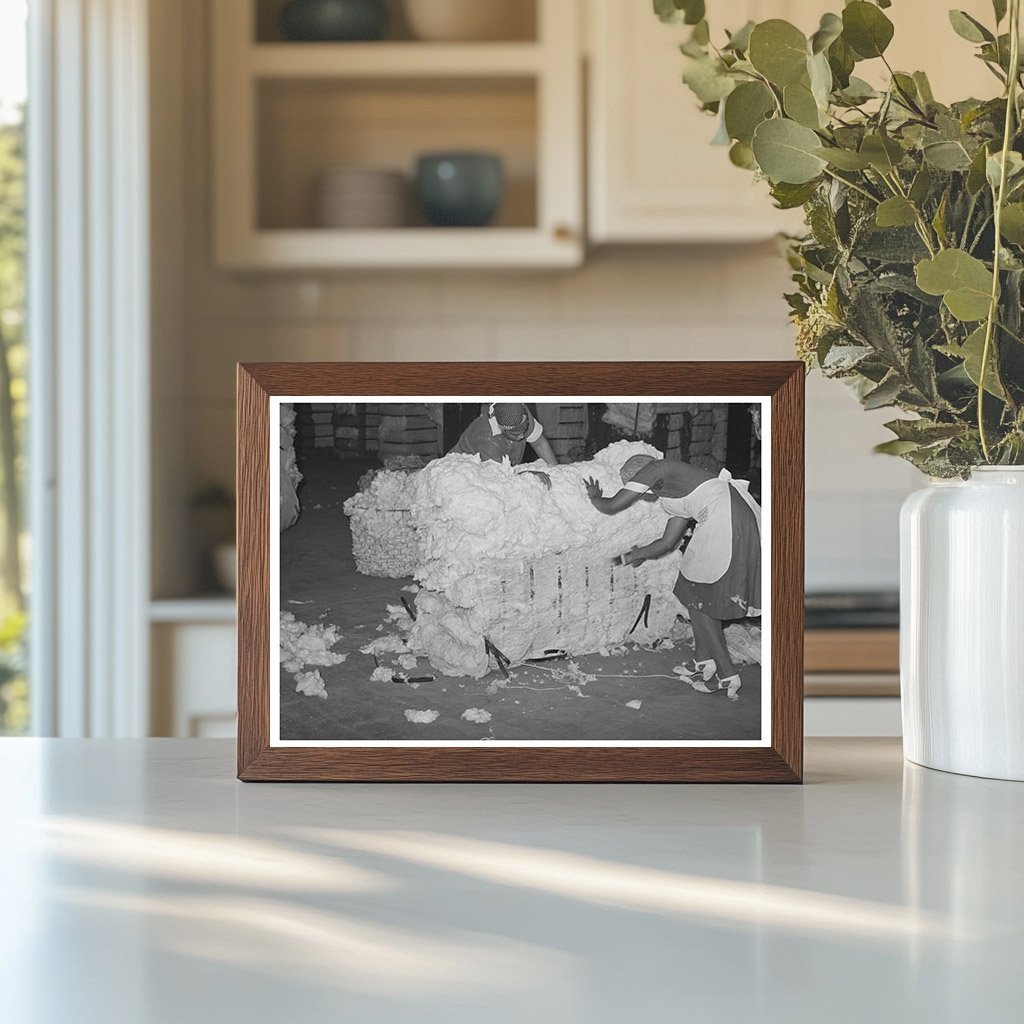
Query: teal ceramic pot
(460,189)
(332,21)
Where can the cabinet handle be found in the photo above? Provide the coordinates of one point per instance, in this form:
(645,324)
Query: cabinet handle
(563,232)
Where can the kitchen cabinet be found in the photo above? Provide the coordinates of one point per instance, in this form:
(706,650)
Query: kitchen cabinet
(653,175)
(286,113)
(192,647)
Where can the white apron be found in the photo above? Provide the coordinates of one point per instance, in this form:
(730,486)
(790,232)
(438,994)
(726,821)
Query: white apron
(709,554)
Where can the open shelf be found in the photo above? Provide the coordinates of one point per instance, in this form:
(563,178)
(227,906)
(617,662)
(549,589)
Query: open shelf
(286,114)
(308,127)
(407,248)
(520,17)
(393,60)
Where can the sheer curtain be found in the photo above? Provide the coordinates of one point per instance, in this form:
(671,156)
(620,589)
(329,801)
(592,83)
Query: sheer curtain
(88,300)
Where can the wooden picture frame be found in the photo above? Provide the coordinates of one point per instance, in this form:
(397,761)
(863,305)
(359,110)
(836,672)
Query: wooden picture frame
(779,384)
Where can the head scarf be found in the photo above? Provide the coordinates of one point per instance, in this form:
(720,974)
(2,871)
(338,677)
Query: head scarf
(633,465)
(512,419)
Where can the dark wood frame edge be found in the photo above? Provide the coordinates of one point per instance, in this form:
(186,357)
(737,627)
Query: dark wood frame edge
(258,761)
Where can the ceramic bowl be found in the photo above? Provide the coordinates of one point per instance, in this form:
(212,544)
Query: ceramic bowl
(357,197)
(460,189)
(470,20)
(334,20)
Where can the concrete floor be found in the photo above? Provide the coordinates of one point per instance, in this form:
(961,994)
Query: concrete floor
(319,584)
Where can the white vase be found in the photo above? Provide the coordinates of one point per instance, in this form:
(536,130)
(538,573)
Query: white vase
(962,624)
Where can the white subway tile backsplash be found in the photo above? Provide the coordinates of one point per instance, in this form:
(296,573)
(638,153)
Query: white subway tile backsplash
(645,285)
(249,298)
(506,298)
(412,296)
(706,303)
(561,340)
(402,341)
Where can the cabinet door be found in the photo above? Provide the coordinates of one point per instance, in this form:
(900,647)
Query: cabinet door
(654,176)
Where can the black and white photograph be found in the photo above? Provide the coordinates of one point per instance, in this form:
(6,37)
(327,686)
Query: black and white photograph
(516,571)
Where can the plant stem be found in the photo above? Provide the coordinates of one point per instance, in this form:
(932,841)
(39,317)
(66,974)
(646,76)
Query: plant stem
(855,187)
(993,309)
(923,228)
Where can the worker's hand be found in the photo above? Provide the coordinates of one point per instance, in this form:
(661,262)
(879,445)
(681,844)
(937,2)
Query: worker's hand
(632,558)
(593,488)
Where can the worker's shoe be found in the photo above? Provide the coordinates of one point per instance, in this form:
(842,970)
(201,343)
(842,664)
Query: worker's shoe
(731,685)
(702,670)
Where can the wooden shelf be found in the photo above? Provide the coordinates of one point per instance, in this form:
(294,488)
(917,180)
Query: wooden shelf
(206,608)
(393,60)
(852,650)
(401,247)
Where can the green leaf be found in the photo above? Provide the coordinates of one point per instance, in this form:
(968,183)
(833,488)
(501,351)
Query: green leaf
(921,185)
(820,76)
(924,87)
(841,60)
(1012,225)
(906,88)
(676,12)
(858,91)
(971,352)
(896,212)
(745,108)
(844,159)
(969,28)
(778,50)
(742,155)
(829,30)
(963,281)
(895,447)
(739,41)
(1014,169)
(883,153)
(923,431)
(939,220)
(785,152)
(946,156)
(976,173)
(789,197)
(999,7)
(694,11)
(800,105)
(694,49)
(708,80)
(866,29)
(885,394)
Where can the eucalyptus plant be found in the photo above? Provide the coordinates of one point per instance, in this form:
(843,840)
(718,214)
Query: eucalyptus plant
(910,278)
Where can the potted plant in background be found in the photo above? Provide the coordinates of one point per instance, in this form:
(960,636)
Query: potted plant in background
(909,286)
(214,510)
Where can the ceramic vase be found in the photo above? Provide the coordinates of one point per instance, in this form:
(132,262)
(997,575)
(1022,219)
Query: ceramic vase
(962,624)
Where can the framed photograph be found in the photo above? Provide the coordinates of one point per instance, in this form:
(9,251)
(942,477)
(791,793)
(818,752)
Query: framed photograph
(520,572)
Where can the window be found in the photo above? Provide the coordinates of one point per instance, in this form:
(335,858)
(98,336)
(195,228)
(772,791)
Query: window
(14,549)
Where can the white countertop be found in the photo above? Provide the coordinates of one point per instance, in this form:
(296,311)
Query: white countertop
(143,885)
